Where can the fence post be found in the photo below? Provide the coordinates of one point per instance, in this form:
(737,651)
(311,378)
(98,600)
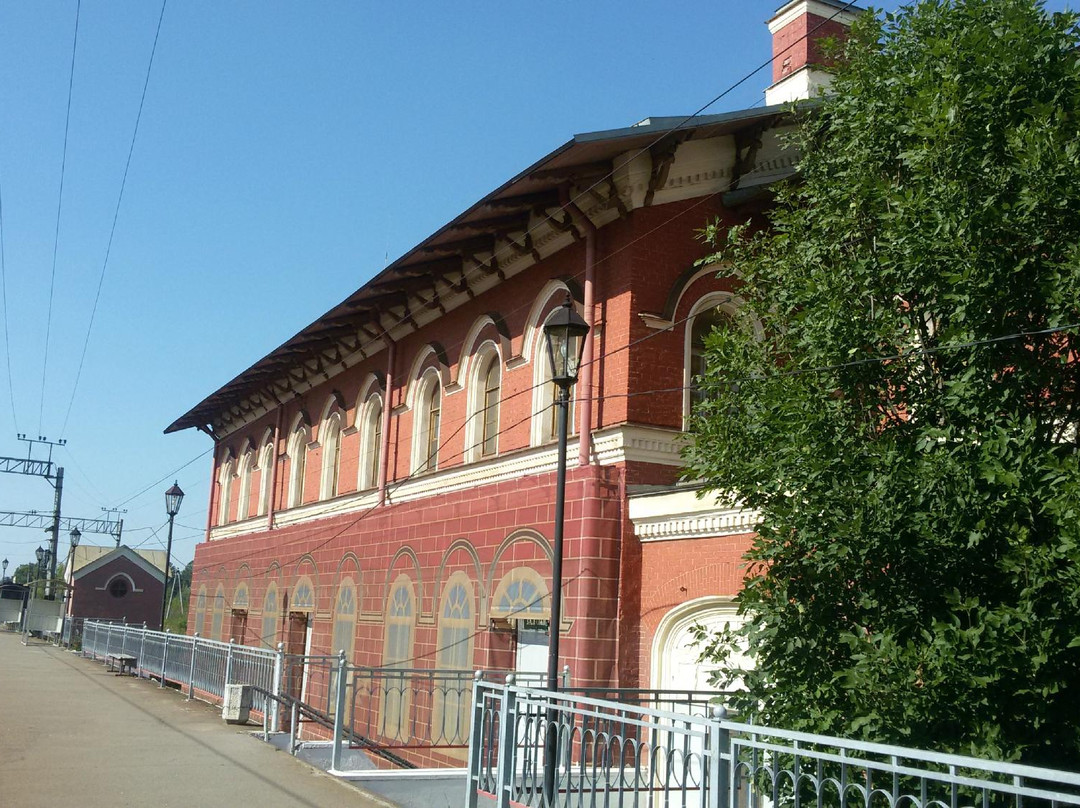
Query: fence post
(191,669)
(504,773)
(275,686)
(476,742)
(565,677)
(339,712)
(228,665)
(142,647)
(719,769)
(108,639)
(164,658)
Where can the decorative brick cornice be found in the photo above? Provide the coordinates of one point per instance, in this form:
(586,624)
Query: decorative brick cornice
(681,514)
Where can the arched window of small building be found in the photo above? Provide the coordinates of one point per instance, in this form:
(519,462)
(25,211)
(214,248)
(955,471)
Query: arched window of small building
(545,424)
(426,423)
(219,613)
(225,477)
(708,313)
(485,388)
(344,633)
(330,439)
(200,612)
(450,720)
(246,469)
(119,586)
(397,654)
(268,634)
(298,443)
(371,417)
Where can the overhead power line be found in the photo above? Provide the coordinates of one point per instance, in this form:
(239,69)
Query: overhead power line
(59,208)
(116,216)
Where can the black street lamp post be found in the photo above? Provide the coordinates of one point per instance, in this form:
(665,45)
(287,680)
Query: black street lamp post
(564,333)
(173,497)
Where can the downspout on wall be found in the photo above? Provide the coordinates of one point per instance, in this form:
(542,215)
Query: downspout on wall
(213,487)
(585,379)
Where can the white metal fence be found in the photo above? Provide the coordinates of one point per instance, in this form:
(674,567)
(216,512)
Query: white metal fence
(536,748)
(202,667)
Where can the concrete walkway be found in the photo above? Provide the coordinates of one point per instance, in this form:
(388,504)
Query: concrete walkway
(71,733)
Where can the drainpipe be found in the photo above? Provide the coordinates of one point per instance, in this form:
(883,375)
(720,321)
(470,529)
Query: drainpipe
(274,469)
(213,489)
(585,379)
(384,449)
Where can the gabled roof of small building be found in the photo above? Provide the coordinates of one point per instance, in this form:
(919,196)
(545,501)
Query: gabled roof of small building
(509,221)
(89,554)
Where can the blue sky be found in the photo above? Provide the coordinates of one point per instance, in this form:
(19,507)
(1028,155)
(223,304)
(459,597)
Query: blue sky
(286,152)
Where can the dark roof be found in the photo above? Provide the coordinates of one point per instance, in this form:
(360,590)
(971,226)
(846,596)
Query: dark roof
(410,280)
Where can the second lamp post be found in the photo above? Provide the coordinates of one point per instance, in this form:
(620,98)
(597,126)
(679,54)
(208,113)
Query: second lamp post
(173,497)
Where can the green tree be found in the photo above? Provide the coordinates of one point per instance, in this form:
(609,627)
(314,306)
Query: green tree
(177,620)
(916,574)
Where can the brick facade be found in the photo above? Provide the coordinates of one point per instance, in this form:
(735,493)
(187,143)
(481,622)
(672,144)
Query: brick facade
(140,601)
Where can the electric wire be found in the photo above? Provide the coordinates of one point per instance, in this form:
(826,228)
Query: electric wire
(4,300)
(116,217)
(59,208)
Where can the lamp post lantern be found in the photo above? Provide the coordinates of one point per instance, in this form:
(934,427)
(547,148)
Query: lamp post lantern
(173,497)
(564,335)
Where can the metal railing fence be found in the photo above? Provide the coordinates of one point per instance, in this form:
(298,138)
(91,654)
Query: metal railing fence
(202,667)
(608,753)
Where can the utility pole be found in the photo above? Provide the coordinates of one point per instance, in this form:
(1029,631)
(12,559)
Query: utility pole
(58,485)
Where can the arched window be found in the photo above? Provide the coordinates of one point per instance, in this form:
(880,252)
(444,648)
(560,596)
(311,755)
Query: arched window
(485,387)
(243,499)
(521,594)
(268,633)
(370,442)
(266,475)
(545,423)
(706,315)
(426,423)
(344,632)
(298,443)
(397,654)
(200,612)
(225,478)
(219,613)
(450,721)
(330,438)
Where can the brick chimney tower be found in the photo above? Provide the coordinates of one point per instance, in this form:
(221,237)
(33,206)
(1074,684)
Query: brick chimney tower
(797,59)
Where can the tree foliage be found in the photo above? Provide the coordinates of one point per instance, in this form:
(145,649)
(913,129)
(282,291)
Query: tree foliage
(916,574)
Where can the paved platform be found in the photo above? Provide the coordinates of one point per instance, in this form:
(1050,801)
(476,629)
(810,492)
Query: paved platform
(73,733)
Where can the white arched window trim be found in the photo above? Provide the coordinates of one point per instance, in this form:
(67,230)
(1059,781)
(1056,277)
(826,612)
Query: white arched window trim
(370,423)
(267,459)
(483,417)
(225,479)
(246,469)
(542,428)
(299,439)
(330,440)
(729,304)
(427,421)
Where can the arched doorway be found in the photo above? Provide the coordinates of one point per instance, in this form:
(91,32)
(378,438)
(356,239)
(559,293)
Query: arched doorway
(675,652)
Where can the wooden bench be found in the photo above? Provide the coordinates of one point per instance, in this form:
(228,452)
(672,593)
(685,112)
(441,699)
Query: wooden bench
(121,663)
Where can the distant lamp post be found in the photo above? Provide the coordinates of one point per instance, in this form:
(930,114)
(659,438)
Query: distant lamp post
(564,334)
(4,576)
(173,497)
(43,555)
(76,537)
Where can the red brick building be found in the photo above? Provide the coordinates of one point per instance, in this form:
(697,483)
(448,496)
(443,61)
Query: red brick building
(117,583)
(384,480)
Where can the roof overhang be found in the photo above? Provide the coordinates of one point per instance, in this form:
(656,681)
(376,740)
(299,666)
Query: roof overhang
(463,258)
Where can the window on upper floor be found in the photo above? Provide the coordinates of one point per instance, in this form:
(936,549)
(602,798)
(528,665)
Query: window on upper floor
(426,423)
(225,478)
(266,474)
(371,417)
(707,314)
(330,438)
(485,389)
(545,423)
(246,469)
(298,443)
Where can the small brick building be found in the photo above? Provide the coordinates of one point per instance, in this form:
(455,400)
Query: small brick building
(384,481)
(117,583)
